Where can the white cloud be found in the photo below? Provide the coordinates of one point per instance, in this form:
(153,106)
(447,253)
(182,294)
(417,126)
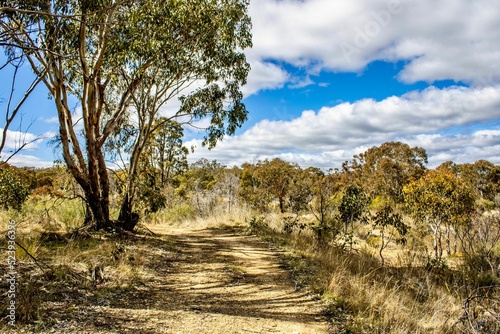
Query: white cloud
(445,39)
(201,124)
(53,120)
(461,148)
(334,134)
(16,139)
(264,75)
(77,117)
(171,108)
(25,160)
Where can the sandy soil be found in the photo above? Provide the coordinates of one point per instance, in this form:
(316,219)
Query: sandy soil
(201,281)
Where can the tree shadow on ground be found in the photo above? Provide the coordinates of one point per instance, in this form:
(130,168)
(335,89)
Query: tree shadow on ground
(199,275)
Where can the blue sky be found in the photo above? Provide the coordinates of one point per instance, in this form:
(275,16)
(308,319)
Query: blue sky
(332,78)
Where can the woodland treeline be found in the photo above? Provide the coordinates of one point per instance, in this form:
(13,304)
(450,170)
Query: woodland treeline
(382,224)
(387,187)
(123,62)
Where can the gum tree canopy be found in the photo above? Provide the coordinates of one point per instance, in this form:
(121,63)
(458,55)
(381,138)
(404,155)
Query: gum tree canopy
(122,60)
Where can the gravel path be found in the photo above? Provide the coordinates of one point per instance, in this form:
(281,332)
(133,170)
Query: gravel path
(199,281)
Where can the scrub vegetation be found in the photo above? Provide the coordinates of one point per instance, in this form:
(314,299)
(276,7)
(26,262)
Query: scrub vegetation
(388,245)
(154,244)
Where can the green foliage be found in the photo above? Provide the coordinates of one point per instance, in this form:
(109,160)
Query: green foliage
(13,192)
(386,169)
(483,177)
(123,61)
(439,198)
(353,205)
(257,225)
(437,265)
(180,213)
(275,177)
(201,183)
(439,195)
(292,223)
(53,212)
(386,217)
(480,242)
(378,203)
(203,174)
(301,190)
(161,164)
(336,202)
(327,225)
(251,192)
(154,198)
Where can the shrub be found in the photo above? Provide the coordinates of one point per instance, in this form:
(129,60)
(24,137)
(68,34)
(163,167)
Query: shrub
(257,225)
(13,192)
(480,240)
(180,213)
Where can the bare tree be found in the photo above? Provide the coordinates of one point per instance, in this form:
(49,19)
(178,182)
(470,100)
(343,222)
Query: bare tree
(13,106)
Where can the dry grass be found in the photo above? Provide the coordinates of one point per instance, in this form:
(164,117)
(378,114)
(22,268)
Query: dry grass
(364,297)
(361,296)
(68,266)
(79,268)
(183,216)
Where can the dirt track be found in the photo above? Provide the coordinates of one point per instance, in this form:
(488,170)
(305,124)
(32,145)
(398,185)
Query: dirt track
(216,281)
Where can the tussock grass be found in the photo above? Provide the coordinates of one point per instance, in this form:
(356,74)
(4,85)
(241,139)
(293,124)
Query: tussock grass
(176,214)
(184,215)
(73,269)
(406,296)
(363,297)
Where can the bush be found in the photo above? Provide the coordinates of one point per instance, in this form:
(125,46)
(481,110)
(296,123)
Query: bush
(13,192)
(180,213)
(154,198)
(257,225)
(481,253)
(480,312)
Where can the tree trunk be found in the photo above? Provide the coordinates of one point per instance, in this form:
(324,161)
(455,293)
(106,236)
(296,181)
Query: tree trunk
(382,245)
(97,212)
(440,244)
(436,236)
(282,206)
(319,235)
(455,246)
(448,240)
(97,195)
(127,218)
(435,243)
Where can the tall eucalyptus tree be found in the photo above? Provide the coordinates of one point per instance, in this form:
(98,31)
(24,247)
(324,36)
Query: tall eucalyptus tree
(122,60)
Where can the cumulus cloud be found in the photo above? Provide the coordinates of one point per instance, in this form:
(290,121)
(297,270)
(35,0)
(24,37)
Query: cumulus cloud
(334,134)
(446,39)
(264,75)
(461,148)
(295,40)
(26,160)
(16,139)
